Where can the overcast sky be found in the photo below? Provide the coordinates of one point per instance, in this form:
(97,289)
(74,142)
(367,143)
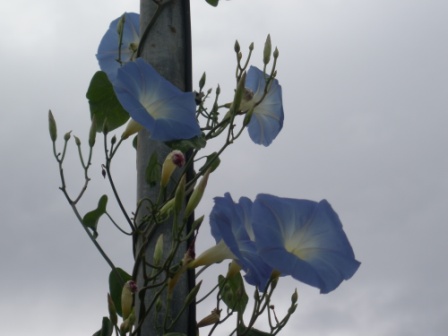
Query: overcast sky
(365,89)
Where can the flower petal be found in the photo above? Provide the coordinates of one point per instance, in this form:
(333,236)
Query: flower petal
(231,222)
(109,52)
(267,118)
(303,239)
(164,110)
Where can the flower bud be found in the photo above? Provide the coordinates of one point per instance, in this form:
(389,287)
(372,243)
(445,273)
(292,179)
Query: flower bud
(180,194)
(105,127)
(67,136)
(174,159)
(210,319)
(202,81)
(267,50)
(192,295)
(92,133)
(251,46)
(240,89)
(77,141)
(127,293)
(158,251)
(52,127)
(127,324)
(237,47)
(112,310)
(196,195)
(120,25)
(276,53)
(294,297)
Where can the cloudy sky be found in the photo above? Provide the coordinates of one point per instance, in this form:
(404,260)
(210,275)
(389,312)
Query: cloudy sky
(365,88)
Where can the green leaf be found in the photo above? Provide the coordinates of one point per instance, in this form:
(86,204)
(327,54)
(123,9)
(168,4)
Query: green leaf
(91,218)
(106,328)
(104,104)
(117,279)
(153,171)
(214,3)
(233,293)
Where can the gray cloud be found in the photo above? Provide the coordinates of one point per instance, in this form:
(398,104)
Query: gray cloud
(365,89)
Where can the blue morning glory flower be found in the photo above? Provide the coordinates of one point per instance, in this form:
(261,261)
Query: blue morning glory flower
(110,55)
(231,227)
(303,239)
(267,118)
(152,101)
(231,223)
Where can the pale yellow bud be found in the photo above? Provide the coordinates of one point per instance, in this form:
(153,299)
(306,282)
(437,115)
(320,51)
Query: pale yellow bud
(175,159)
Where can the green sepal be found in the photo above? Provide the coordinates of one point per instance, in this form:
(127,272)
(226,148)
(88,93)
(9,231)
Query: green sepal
(214,3)
(106,328)
(185,145)
(104,103)
(212,162)
(91,218)
(153,171)
(117,279)
(233,293)
(251,332)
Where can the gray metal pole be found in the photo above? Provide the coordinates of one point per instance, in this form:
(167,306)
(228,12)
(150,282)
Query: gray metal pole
(167,47)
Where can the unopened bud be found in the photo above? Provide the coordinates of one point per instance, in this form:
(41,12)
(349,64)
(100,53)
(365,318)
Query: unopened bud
(174,159)
(210,319)
(52,126)
(158,251)
(159,304)
(192,295)
(294,297)
(237,47)
(240,89)
(112,310)
(202,81)
(105,127)
(251,46)
(127,324)
(127,293)
(133,47)
(276,53)
(92,133)
(180,194)
(267,50)
(67,136)
(120,24)
(196,195)
(77,141)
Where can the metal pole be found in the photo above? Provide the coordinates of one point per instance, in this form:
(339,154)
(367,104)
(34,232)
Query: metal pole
(167,47)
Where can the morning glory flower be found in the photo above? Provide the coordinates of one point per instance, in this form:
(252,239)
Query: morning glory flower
(111,56)
(303,239)
(156,104)
(267,118)
(231,227)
